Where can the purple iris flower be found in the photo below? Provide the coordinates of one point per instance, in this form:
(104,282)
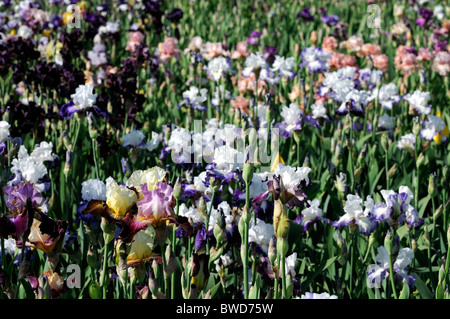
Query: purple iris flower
(270,52)
(175,15)
(215,176)
(2,147)
(22,201)
(329,20)
(253,39)
(425,16)
(68,110)
(397,207)
(125,165)
(440,46)
(200,239)
(188,192)
(19,195)
(305,14)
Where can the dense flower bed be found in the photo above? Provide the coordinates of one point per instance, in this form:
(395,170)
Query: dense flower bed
(217,150)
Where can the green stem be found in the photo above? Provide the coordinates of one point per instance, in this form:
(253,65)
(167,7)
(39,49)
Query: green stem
(391,276)
(246,229)
(103,278)
(447,265)
(350,157)
(94,154)
(386,168)
(245,261)
(275,284)
(283,277)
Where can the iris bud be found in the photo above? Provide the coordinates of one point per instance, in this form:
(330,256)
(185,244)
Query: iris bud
(202,209)
(388,242)
(247,172)
(420,160)
(95,291)
(272,250)
(431,185)
(219,228)
(392,171)
(108,229)
(171,264)
(177,189)
(92,256)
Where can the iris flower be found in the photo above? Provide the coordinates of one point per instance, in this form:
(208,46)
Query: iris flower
(378,272)
(355,215)
(397,208)
(23,201)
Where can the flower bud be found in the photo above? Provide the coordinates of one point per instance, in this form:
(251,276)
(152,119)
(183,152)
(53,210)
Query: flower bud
(272,250)
(68,164)
(246,214)
(202,209)
(44,291)
(372,239)
(5,116)
(95,291)
(392,171)
(16,142)
(152,282)
(297,134)
(247,172)
(121,261)
(171,264)
(388,242)
(438,212)
(416,126)
(237,117)
(385,142)
(431,185)
(425,236)
(297,49)
(448,236)
(241,227)
(337,154)
(215,253)
(93,132)
(200,271)
(420,160)
(362,155)
(413,244)
(306,161)
(5,284)
(357,174)
(108,229)
(313,37)
(282,225)
(92,257)
(219,228)
(440,286)
(177,189)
